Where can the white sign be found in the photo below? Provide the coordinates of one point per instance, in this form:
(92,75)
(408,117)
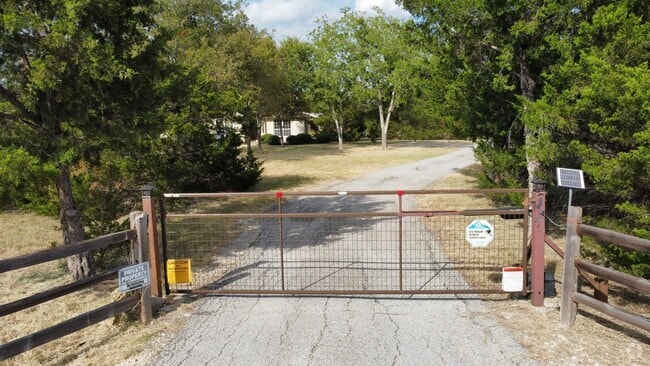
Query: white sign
(479,233)
(134,277)
(512,279)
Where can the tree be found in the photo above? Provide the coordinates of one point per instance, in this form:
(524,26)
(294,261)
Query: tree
(237,66)
(594,115)
(333,77)
(296,71)
(500,52)
(367,59)
(384,63)
(70,75)
(547,84)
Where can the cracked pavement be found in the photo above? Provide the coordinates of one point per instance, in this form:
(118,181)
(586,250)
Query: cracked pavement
(355,330)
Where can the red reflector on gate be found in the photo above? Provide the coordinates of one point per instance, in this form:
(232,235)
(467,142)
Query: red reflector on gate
(513,269)
(400,193)
(278,194)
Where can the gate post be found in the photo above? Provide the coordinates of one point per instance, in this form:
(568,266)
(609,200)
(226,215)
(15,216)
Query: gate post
(140,254)
(569,308)
(149,207)
(537,242)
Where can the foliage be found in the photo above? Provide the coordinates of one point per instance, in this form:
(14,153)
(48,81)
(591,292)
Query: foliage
(270,139)
(299,139)
(239,74)
(297,71)
(548,84)
(364,60)
(110,95)
(25,182)
(323,138)
(304,138)
(293,140)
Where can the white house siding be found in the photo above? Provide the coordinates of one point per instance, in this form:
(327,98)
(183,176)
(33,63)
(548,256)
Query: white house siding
(295,127)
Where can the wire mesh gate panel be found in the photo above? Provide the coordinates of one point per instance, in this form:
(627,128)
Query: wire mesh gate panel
(337,243)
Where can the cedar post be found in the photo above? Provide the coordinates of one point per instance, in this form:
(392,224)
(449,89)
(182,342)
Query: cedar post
(537,242)
(569,308)
(149,207)
(140,254)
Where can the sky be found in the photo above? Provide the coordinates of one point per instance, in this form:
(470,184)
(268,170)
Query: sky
(296,18)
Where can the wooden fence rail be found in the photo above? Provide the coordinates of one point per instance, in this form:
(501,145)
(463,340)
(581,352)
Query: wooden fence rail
(572,265)
(139,247)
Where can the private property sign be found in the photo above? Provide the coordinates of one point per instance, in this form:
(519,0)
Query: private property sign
(479,233)
(134,277)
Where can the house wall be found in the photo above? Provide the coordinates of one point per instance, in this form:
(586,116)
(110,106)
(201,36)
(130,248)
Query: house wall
(296,127)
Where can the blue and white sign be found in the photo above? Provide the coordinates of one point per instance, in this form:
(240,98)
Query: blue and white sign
(479,233)
(134,277)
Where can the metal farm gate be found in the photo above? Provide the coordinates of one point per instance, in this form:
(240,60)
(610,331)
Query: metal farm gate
(372,242)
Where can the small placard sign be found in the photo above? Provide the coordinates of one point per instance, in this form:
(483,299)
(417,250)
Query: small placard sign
(512,279)
(179,271)
(134,277)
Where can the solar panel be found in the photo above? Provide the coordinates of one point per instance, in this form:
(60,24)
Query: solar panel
(571,178)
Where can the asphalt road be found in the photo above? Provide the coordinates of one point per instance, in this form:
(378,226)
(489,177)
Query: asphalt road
(395,330)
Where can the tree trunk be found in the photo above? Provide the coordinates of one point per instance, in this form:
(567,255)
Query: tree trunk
(249,146)
(259,132)
(81,265)
(282,132)
(384,121)
(528,91)
(339,128)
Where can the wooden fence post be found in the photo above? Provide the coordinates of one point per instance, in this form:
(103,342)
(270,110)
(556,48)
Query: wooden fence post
(149,207)
(140,254)
(569,308)
(538,235)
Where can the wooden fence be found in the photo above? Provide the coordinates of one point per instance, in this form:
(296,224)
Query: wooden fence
(573,265)
(139,247)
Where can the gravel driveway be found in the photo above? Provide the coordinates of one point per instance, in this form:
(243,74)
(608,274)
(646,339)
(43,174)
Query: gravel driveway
(396,330)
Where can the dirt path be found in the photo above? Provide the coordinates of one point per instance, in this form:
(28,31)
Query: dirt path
(394,330)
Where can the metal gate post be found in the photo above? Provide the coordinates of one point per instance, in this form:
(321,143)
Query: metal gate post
(400,194)
(279,196)
(149,207)
(537,242)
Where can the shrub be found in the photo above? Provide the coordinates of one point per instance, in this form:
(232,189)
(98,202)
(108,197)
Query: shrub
(270,139)
(304,138)
(293,140)
(323,138)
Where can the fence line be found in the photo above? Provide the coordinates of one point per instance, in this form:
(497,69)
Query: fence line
(572,264)
(138,235)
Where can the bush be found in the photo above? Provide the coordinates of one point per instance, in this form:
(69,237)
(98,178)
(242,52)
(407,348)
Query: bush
(304,138)
(293,140)
(299,139)
(323,138)
(270,139)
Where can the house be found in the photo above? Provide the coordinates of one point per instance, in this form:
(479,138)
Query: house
(294,126)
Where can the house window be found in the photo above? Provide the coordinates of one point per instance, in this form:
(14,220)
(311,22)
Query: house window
(282,128)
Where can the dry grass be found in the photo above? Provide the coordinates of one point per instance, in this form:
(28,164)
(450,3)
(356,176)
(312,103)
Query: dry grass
(595,339)
(103,344)
(303,166)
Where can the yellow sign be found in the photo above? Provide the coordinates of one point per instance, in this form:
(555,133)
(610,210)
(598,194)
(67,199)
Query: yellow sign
(179,271)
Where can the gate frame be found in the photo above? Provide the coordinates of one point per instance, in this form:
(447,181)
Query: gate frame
(534,204)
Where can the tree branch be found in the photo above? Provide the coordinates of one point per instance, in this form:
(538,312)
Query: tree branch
(36,121)
(491,46)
